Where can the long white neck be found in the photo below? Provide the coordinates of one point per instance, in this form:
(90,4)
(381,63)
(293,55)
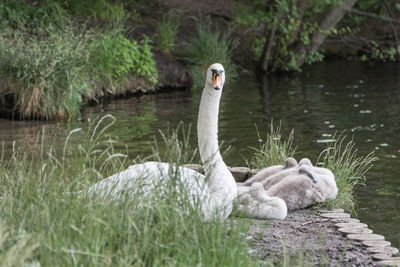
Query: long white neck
(220,179)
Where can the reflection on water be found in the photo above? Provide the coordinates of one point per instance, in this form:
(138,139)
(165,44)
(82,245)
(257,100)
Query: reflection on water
(328,97)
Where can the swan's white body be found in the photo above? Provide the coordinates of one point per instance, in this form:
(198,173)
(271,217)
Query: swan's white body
(215,191)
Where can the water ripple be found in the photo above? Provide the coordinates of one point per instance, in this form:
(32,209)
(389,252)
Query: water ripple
(322,141)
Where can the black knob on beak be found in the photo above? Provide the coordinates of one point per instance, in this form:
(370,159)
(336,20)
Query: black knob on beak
(216,72)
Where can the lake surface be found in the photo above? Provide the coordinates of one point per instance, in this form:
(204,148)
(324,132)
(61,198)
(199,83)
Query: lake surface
(359,98)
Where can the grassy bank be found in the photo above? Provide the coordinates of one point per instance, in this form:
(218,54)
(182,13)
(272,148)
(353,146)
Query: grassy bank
(49,68)
(57,55)
(42,223)
(340,157)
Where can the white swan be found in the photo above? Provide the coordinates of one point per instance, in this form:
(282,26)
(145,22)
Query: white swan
(215,191)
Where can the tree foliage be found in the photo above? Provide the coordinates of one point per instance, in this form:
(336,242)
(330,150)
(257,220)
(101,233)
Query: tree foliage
(293,31)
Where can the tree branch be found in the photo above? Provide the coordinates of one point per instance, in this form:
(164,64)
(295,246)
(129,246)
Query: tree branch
(371,15)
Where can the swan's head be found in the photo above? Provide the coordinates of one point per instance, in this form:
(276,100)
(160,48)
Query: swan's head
(215,76)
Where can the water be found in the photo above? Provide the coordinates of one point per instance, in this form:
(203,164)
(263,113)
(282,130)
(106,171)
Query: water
(362,99)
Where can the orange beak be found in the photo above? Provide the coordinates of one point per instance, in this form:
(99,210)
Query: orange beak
(216,81)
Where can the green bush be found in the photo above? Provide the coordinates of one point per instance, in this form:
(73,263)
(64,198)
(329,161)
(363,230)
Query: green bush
(45,75)
(77,231)
(207,47)
(114,59)
(20,15)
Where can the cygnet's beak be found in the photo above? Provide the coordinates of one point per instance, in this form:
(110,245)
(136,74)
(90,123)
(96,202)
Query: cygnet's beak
(307,170)
(216,79)
(311,177)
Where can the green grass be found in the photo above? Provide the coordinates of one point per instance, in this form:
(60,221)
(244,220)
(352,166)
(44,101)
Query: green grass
(167,29)
(273,150)
(340,157)
(66,230)
(176,145)
(15,250)
(349,169)
(100,9)
(207,47)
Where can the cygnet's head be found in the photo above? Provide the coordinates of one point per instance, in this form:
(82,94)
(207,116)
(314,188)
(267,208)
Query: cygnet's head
(215,76)
(306,169)
(290,162)
(305,161)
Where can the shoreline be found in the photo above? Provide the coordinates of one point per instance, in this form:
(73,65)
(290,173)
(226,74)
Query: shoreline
(317,237)
(306,237)
(172,76)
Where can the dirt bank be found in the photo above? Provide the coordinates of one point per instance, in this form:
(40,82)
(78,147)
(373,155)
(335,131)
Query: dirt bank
(305,238)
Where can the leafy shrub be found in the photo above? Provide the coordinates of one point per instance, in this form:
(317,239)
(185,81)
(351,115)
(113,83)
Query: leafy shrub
(18,14)
(114,57)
